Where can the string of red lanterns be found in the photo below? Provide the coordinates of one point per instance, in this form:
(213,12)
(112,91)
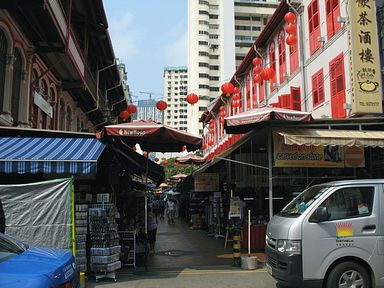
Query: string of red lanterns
(132,109)
(124,114)
(227,88)
(291,28)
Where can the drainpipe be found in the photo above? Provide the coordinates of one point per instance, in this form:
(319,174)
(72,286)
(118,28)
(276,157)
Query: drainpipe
(302,52)
(97,86)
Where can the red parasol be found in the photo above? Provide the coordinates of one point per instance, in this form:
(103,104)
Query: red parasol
(191,158)
(248,120)
(153,136)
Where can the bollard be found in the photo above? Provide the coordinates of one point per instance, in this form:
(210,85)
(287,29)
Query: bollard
(236,248)
(82,279)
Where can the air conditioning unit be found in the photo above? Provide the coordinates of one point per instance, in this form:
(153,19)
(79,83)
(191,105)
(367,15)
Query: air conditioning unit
(321,39)
(340,19)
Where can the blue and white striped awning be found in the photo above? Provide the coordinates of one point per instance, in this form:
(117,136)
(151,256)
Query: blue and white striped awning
(49,155)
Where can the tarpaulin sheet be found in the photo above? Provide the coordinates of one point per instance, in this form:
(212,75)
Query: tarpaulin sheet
(39,214)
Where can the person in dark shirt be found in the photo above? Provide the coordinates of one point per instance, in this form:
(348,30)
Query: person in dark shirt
(2,218)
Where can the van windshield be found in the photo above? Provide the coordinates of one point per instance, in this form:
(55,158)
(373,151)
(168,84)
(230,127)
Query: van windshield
(303,201)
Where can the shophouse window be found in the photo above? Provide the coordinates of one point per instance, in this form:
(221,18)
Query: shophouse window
(35,109)
(293,57)
(282,59)
(52,99)
(314,26)
(44,93)
(69,119)
(3,57)
(337,81)
(272,64)
(332,9)
(248,92)
(318,88)
(296,99)
(16,82)
(62,115)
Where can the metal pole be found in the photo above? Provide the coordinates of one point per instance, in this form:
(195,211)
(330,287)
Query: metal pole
(270,193)
(146,213)
(249,233)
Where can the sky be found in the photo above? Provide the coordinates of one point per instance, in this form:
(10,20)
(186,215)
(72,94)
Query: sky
(148,35)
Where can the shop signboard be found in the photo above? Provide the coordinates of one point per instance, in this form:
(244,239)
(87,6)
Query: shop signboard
(364,58)
(317,156)
(207,182)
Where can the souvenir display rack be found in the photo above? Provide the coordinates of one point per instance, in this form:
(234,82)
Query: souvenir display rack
(105,249)
(128,248)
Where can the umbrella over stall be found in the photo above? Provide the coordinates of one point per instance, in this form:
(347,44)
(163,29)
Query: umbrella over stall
(152,137)
(191,158)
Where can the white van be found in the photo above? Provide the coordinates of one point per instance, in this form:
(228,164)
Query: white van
(331,235)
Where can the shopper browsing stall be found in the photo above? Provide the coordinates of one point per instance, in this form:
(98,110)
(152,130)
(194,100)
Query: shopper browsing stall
(152,230)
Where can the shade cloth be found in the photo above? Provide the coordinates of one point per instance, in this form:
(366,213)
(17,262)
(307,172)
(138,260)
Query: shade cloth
(153,136)
(318,137)
(245,121)
(49,155)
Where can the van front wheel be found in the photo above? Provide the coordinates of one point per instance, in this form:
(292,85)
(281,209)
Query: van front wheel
(349,274)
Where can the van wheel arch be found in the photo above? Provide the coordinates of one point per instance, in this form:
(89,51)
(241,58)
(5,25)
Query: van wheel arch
(354,260)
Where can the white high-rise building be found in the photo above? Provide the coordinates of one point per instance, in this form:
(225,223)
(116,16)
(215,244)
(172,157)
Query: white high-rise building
(175,81)
(220,33)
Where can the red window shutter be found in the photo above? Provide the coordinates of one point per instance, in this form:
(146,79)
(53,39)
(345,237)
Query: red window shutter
(285,101)
(241,102)
(272,61)
(329,14)
(320,85)
(282,58)
(295,98)
(337,79)
(336,13)
(315,90)
(276,104)
(261,91)
(314,26)
(293,57)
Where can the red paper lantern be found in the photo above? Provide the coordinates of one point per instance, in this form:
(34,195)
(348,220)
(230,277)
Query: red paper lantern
(210,142)
(176,164)
(291,40)
(236,90)
(157,159)
(291,28)
(222,108)
(257,70)
(165,162)
(236,97)
(257,61)
(257,78)
(290,17)
(268,73)
(222,120)
(161,105)
(204,146)
(192,98)
(222,113)
(124,114)
(184,148)
(132,109)
(227,88)
(212,131)
(235,104)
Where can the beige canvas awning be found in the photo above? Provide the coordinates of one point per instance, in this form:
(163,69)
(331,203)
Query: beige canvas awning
(318,137)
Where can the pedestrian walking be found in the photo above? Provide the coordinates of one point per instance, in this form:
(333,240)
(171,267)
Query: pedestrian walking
(152,230)
(171,208)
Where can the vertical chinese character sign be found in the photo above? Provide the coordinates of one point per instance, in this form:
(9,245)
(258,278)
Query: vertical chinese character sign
(366,87)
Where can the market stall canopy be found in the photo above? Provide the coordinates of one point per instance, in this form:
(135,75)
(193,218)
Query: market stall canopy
(325,137)
(49,155)
(163,185)
(153,136)
(246,121)
(191,158)
(137,164)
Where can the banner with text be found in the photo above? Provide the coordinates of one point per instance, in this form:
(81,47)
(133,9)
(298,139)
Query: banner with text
(207,182)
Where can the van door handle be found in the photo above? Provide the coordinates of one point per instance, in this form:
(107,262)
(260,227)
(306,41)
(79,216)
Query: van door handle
(369,227)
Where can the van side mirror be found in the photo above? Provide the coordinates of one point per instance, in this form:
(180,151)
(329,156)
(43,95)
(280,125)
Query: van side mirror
(320,215)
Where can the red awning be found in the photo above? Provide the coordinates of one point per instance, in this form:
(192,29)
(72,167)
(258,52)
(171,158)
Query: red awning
(248,120)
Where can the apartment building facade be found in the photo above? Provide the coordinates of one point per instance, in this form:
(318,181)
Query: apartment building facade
(175,81)
(220,33)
